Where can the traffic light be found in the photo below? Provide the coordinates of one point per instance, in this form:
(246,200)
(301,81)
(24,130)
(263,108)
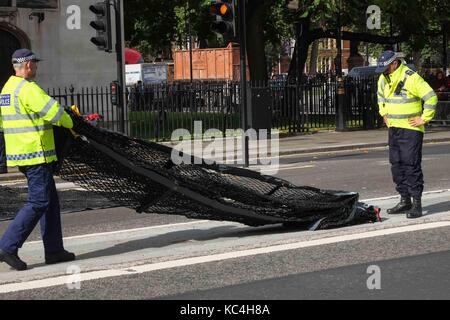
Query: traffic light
(114,87)
(224,12)
(102,24)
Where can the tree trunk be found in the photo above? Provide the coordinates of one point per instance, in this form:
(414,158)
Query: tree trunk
(300,55)
(313,59)
(416,55)
(256,55)
(305,37)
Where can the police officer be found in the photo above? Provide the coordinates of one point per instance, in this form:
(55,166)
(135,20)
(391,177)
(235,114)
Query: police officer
(400,95)
(28,115)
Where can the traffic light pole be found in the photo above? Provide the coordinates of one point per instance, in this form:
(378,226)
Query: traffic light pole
(243,50)
(340,117)
(120,49)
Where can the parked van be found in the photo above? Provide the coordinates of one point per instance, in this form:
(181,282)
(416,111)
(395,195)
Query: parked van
(363,72)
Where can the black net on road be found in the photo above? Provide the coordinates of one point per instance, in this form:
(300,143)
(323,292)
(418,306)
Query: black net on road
(141,175)
(13,198)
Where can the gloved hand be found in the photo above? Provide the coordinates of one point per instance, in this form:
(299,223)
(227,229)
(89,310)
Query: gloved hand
(75,110)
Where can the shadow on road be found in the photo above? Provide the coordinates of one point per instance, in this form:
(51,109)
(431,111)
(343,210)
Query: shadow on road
(437,208)
(177,237)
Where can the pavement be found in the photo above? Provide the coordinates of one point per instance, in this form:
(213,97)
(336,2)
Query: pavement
(321,141)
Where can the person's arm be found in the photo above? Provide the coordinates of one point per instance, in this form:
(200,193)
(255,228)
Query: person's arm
(381,100)
(37,101)
(423,90)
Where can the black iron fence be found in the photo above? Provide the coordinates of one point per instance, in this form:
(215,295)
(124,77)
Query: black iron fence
(156,111)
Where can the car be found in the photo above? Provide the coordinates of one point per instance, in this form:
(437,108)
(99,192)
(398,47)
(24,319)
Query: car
(369,71)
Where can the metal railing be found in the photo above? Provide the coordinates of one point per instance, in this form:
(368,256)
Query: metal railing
(155,111)
(442,116)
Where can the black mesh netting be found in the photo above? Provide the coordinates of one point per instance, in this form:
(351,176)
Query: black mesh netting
(12,199)
(141,175)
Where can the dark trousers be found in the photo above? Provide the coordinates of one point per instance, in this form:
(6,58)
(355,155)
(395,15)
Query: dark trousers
(2,154)
(405,156)
(43,206)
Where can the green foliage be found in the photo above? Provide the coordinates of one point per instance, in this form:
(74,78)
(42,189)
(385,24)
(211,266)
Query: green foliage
(154,26)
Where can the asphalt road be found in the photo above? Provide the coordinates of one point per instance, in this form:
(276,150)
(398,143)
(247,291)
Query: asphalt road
(365,171)
(413,264)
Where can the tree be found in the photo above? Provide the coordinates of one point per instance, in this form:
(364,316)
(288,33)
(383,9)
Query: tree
(154,26)
(414,21)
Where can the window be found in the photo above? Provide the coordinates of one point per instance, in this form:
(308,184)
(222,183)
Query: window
(5,3)
(38,4)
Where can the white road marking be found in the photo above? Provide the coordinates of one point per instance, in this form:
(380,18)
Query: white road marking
(95,275)
(396,196)
(295,168)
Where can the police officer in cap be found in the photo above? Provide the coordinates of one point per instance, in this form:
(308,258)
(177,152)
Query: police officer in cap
(28,115)
(406,103)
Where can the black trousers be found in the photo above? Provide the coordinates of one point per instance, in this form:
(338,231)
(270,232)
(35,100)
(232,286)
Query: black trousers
(2,154)
(405,156)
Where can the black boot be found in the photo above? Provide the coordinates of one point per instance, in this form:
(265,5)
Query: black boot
(403,206)
(416,210)
(58,257)
(13,260)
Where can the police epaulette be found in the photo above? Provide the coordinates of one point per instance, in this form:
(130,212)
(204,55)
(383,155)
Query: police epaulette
(409,72)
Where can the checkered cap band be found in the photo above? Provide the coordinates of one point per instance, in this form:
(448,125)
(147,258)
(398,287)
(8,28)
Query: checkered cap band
(24,59)
(388,62)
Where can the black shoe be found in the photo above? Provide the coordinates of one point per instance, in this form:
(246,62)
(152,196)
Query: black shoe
(58,257)
(13,260)
(416,210)
(402,207)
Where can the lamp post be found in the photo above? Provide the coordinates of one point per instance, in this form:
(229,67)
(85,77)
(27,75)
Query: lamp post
(340,119)
(191,70)
(243,57)
(120,49)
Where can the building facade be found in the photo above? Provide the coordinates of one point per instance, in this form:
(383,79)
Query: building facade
(57,31)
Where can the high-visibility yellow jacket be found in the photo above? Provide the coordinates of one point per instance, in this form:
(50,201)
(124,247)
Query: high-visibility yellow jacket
(28,115)
(400,97)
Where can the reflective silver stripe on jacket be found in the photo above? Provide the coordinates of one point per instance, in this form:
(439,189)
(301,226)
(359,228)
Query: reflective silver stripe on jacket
(402,101)
(47,107)
(429,106)
(429,95)
(58,115)
(403,116)
(15,117)
(16,96)
(381,98)
(383,86)
(27,129)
